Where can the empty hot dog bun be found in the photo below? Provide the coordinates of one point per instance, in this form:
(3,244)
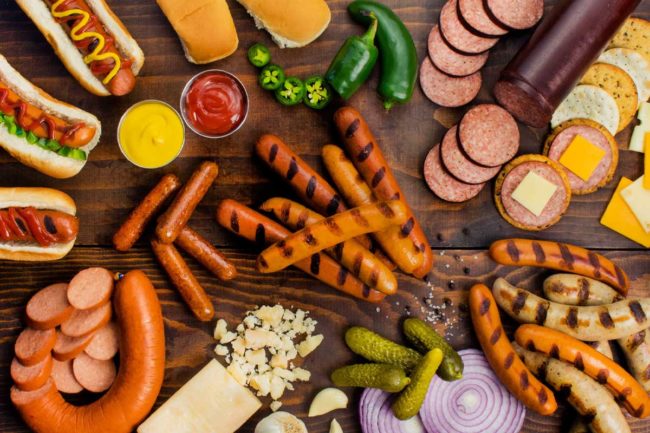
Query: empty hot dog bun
(205,28)
(54,212)
(109,28)
(66,154)
(291,23)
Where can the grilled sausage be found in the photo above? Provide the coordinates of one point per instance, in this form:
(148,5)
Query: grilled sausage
(184,280)
(38,226)
(562,257)
(402,250)
(585,358)
(132,228)
(179,212)
(572,289)
(589,398)
(251,225)
(593,323)
(369,160)
(138,381)
(205,253)
(636,348)
(355,257)
(329,232)
(502,358)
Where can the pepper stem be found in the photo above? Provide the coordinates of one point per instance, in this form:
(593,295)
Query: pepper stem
(369,36)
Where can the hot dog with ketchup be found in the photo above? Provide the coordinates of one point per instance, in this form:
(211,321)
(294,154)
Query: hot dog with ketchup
(91,42)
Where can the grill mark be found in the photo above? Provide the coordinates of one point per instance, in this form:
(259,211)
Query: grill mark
(606,319)
(365,291)
(407,227)
(620,276)
(262,263)
(519,302)
(624,394)
(234,221)
(309,238)
(523,380)
(333,227)
(554,352)
(540,255)
(358,218)
(349,132)
(293,169)
(583,291)
(603,376)
(396,196)
(541,313)
(495,336)
(333,205)
(356,265)
(513,251)
(49,225)
(342,276)
(273,152)
(485,307)
(507,363)
(542,396)
(302,220)
(285,250)
(385,210)
(314,264)
(589,416)
(284,212)
(311,187)
(578,362)
(379,175)
(338,250)
(572,318)
(595,262)
(543,369)
(637,340)
(365,152)
(530,346)
(637,311)
(568,258)
(374,278)
(260,235)
(565,391)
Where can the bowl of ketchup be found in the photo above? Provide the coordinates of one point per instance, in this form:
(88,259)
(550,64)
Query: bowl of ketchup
(214,103)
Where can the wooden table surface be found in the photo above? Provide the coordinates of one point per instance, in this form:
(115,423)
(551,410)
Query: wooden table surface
(109,187)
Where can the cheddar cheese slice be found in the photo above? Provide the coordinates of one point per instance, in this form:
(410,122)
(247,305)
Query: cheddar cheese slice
(582,157)
(534,192)
(638,199)
(619,217)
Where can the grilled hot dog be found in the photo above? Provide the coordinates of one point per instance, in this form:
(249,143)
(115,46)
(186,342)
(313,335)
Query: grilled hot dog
(571,289)
(206,254)
(636,348)
(42,227)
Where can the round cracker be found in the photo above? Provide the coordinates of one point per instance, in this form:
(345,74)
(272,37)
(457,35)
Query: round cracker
(617,83)
(634,34)
(635,64)
(588,102)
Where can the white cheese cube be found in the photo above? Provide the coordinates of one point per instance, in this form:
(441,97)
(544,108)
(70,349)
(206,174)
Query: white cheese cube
(309,344)
(220,330)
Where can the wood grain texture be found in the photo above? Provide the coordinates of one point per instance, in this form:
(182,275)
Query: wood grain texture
(109,187)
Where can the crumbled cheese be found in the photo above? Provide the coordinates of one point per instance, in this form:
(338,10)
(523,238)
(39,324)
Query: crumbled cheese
(309,345)
(220,330)
(302,374)
(275,406)
(221,350)
(228,337)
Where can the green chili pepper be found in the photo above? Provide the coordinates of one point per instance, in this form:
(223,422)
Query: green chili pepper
(271,77)
(31,138)
(399,60)
(259,55)
(317,92)
(353,64)
(291,92)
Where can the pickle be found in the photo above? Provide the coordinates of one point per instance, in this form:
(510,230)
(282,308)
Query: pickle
(425,338)
(409,402)
(386,377)
(376,348)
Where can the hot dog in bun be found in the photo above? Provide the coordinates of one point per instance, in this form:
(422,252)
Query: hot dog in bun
(36,224)
(90,41)
(51,136)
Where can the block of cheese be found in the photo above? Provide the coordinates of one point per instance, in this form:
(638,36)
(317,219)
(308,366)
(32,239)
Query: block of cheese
(534,192)
(638,199)
(643,128)
(582,157)
(646,162)
(619,217)
(211,402)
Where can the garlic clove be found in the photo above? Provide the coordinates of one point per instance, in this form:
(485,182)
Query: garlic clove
(327,400)
(281,422)
(335,427)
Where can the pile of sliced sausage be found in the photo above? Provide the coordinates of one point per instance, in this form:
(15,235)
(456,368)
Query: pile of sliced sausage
(458,45)
(471,153)
(70,336)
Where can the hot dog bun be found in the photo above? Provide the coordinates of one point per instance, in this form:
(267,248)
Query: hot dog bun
(205,28)
(43,160)
(39,198)
(291,23)
(72,58)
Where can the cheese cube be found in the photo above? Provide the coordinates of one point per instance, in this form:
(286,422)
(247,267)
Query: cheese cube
(220,330)
(309,344)
(620,218)
(582,157)
(534,192)
(643,128)
(211,402)
(638,199)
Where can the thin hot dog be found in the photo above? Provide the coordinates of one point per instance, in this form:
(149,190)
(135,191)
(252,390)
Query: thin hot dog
(355,257)
(205,253)
(251,225)
(184,280)
(559,256)
(589,398)
(138,381)
(585,358)
(501,355)
(331,231)
(571,289)
(369,160)
(592,323)
(636,348)
(132,228)
(402,250)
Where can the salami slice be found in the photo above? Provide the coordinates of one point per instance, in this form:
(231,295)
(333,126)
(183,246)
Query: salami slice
(459,36)
(70,347)
(489,135)
(459,165)
(90,288)
(49,307)
(445,90)
(474,14)
(516,14)
(32,346)
(83,322)
(64,377)
(450,61)
(33,377)
(443,184)
(94,375)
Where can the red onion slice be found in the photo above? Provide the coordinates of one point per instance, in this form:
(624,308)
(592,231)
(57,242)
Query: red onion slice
(377,416)
(477,403)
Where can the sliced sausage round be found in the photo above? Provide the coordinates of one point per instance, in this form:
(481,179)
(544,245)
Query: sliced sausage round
(30,378)
(489,135)
(105,343)
(461,167)
(516,14)
(93,374)
(33,345)
(83,322)
(474,14)
(90,288)
(445,90)
(459,36)
(49,307)
(70,347)
(443,184)
(63,377)
(450,61)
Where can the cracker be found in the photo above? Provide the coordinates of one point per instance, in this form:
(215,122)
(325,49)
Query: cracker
(617,83)
(635,64)
(588,102)
(634,34)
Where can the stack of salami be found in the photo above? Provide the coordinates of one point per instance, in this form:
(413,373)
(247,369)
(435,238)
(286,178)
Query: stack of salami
(70,336)
(472,153)
(458,45)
